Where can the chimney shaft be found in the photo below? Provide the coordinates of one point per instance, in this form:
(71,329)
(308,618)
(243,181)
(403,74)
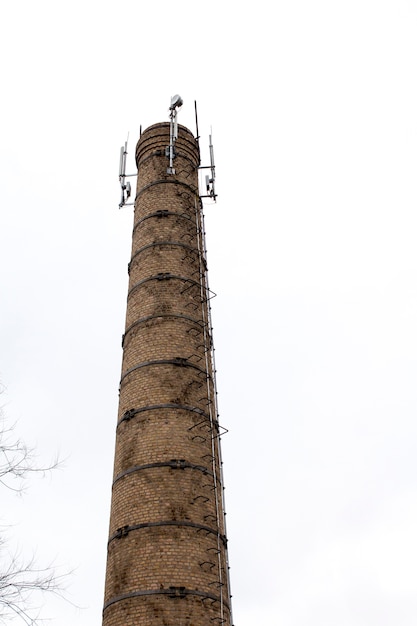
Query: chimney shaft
(167,553)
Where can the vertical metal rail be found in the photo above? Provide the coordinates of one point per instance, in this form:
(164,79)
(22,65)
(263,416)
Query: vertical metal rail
(210,391)
(197,135)
(215,437)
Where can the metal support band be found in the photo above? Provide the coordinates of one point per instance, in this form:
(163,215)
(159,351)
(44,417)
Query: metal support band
(125,530)
(162,153)
(142,320)
(169,405)
(163,213)
(164,276)
(164,243)
(172,592)
(178,361)
(173,464)
(162,181)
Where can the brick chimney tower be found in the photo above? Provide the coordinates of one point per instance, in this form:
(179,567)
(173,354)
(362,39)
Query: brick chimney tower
(167,550)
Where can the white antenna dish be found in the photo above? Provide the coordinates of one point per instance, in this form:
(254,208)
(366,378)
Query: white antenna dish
(176,102)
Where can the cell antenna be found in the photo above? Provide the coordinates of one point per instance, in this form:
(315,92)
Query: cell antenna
(126,187)
(213,169)
(210,180)
(176,103)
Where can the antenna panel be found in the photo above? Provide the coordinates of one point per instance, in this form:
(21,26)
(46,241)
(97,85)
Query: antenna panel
(210,188)
(126,187)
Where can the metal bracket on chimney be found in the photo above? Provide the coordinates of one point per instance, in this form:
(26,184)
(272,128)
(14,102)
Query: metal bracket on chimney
(177,463)
(177,592)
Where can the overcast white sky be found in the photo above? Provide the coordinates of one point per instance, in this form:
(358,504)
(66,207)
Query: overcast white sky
(311,250)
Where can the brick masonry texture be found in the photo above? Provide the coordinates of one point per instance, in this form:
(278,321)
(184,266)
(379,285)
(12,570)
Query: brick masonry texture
(167,551)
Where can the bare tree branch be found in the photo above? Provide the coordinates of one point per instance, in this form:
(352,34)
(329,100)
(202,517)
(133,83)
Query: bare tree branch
(17,460)
(22,583)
